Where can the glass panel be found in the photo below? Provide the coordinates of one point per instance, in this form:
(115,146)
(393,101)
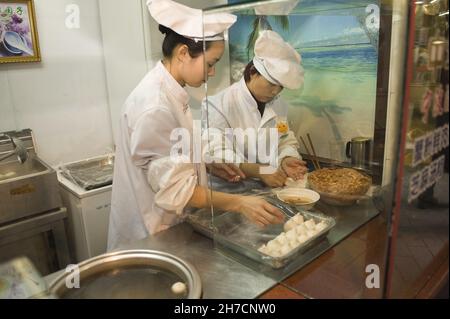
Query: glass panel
(338,124)
(420,227)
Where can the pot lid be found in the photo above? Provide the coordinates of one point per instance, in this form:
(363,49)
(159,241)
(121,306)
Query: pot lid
(134,274)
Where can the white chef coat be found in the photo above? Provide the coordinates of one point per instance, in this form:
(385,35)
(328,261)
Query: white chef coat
(150,190)
(234,108)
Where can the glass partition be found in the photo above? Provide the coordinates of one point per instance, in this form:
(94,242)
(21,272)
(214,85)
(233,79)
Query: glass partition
(338,121)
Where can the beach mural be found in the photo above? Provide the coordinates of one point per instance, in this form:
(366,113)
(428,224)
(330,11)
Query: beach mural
(338,42)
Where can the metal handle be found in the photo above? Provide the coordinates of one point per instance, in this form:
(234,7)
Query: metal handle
(18,149)
(285,208)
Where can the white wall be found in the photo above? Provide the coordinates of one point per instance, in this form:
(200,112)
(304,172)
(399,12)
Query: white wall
(124,51)
(129,58)
(72,99)
(63,99)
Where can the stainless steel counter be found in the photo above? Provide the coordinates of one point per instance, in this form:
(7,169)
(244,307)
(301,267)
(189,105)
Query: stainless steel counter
(226,274)
(221,276)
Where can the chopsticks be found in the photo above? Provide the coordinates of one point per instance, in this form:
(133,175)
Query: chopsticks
(313,155)
(313,150)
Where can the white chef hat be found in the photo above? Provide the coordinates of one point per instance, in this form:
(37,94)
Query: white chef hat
(278,61)
(189,22)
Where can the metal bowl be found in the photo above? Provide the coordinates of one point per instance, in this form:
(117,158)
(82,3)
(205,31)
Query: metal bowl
(136,274)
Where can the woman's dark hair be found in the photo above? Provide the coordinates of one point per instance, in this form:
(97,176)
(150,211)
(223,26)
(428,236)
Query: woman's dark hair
(249,71)
(173,39)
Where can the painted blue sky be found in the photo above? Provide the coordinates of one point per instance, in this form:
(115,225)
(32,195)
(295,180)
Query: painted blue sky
(310,29)
(313,23)
(304,31)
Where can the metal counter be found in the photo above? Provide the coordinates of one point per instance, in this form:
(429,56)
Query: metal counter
(221,277)
(226,274)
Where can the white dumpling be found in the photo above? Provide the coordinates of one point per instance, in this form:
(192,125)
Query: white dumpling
(301,229)
(179,288)
(290,224)
(275,253)
(273,245)
(294,243)
(311,233)
(302,238)
(285,249)
(291,235)
(281,239)
(300,183)
(321,226)
(263,249)
(298,219)
(310,224)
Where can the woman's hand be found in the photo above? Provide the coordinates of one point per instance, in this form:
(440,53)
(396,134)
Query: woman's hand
(274,180)
(228,172)
(258,211)
(294,168)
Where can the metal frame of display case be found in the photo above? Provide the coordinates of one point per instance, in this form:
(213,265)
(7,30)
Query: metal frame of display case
(401,193)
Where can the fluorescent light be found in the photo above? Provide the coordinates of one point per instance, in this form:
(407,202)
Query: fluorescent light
(443,13)
(419,2)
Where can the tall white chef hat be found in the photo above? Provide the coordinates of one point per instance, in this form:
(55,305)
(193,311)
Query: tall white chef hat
(278,61)
(189,22)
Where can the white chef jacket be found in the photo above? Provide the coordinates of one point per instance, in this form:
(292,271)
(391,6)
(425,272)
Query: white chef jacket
(234,108)
(150,190)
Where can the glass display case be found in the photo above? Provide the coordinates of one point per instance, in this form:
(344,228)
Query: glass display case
(345,118)
(333,122)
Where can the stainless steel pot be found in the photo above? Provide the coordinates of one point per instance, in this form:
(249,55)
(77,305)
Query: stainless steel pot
(137,274)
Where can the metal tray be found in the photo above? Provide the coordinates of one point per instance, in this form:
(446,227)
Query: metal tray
(235,232)
(201,221)
(90,174)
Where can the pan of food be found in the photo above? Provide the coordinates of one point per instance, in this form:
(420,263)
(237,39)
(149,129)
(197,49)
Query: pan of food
(273,245)
(339,186)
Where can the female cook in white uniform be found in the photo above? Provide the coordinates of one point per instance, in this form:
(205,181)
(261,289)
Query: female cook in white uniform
(151,189)
(254,102)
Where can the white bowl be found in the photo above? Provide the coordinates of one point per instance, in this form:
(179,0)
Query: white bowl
(289,195)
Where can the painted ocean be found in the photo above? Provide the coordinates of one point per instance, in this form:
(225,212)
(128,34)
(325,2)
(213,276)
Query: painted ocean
(339,55)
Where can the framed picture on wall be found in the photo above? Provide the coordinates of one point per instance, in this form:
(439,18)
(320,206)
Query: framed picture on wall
(18,33)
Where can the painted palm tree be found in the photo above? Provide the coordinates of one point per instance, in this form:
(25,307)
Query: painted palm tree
(261,23)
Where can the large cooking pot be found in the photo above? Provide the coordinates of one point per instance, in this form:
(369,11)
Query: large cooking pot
(138,274)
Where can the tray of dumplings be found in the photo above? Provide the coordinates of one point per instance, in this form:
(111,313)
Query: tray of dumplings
(274,245)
